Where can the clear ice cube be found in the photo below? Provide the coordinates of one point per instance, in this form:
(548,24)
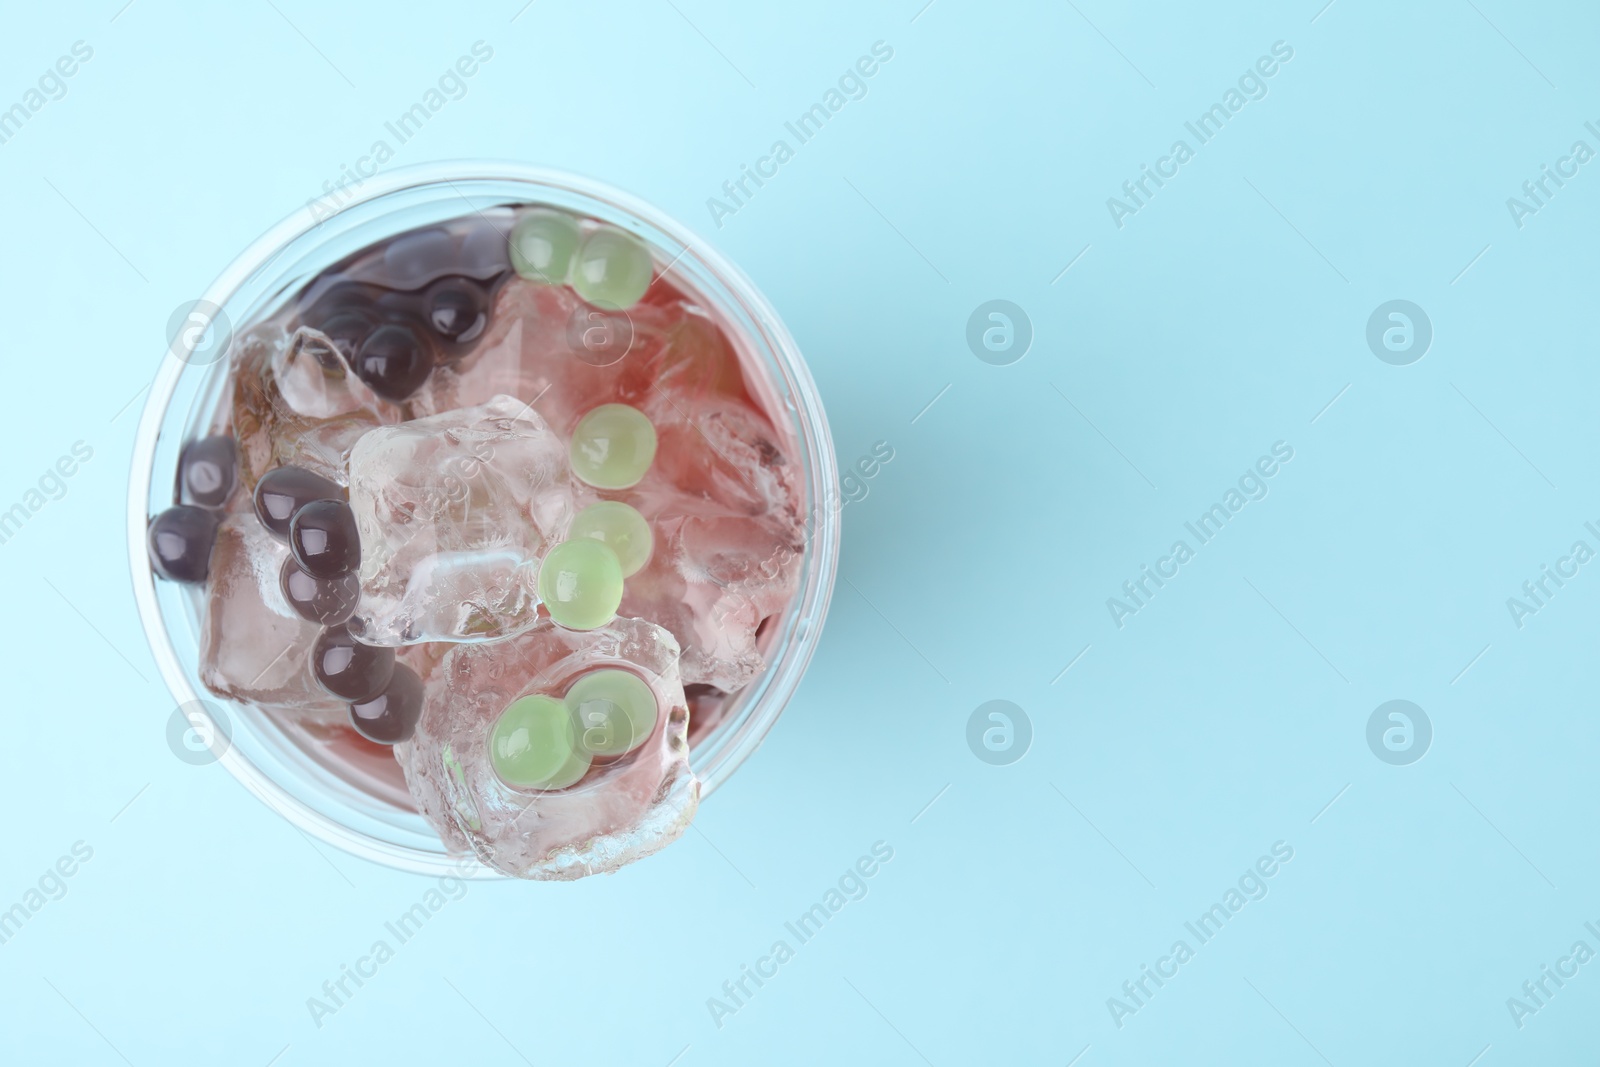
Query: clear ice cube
(297,403)
(454,512)
(722,502)
(712,582)
(546,345)
(621,810)
(253,646)
(721,456)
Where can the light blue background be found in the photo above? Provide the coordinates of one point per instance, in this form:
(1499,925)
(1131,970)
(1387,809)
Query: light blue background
(1222,718)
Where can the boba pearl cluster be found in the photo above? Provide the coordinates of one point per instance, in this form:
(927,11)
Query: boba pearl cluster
(393,336)
(581,580)
(608,268)
(546,742)
(318,578)
(319,581)
(543,742)
(181,537)
(393,339)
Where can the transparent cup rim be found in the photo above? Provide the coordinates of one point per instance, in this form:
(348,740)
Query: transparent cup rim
(821,552)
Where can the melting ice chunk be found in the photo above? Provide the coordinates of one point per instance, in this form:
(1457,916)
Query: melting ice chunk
(724,456)
(622,808)
(547,345)
(455,511)
(721,501)
(297,403)
(253,646)
(712,582)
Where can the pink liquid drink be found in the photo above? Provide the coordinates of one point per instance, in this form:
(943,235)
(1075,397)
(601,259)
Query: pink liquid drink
(493,519)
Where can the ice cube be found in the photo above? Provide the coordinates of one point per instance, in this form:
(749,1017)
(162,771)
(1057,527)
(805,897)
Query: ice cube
(297,403)
(712,581)
(722,455)
(547,346)
(255,649)
(253,646)
(454,513)
(722,502)
(621,809)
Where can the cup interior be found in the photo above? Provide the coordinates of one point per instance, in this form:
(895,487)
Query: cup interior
(351,806)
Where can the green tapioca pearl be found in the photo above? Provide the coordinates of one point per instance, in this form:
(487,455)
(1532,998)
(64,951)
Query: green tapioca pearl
(622,528)
(542,245)
(580,583)
(615,709)
(534,745)
(612,269)
(612,447)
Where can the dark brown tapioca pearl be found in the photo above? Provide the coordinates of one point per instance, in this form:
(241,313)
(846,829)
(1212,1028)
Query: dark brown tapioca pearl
(457,310)
(328,601)
(413,259)
(206,471)
(348,669)
(283,491)
(390,717)
(398,305)
(347,329)
(334,293)
(324,540)
(394,361)
(485,250)
(180,543)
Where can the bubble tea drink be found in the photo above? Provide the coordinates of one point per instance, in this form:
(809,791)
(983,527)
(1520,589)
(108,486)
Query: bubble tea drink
(494,517)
